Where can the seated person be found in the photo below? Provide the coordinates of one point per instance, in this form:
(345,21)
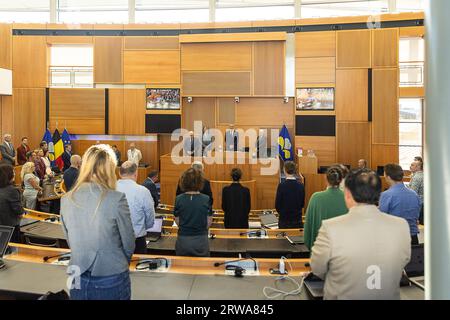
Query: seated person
(361,254)
(290,199)
(193,215)
(236,203)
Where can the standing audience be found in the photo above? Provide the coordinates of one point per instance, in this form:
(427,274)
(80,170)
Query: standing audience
(362,164)
(22,151)
(290,199)
(400,201)
(206,189)
(118,154)
(324,205)
(11,209)
(97,224)
(71,174)
(40,167)
(193,215)
(416,183)
(31,185)
(134,155)
(236,203)
(150,184)
(140,202)
(362,254)
(7,150)
(66,156)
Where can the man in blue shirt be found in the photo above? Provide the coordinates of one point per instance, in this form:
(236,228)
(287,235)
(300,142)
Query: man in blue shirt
(140,202)
(400,201)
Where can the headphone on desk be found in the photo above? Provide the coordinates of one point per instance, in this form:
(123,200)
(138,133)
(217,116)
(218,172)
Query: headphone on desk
(238,271)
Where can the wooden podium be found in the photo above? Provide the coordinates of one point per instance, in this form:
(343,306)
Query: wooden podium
(308,165)
(262,187)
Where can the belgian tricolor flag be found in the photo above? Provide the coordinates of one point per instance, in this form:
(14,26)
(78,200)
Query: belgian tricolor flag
(59,149)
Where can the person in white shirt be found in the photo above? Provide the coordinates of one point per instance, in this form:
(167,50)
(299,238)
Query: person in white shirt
(134,155)
(140,202)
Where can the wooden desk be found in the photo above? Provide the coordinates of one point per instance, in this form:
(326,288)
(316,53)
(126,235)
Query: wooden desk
(308,165)
(265,185)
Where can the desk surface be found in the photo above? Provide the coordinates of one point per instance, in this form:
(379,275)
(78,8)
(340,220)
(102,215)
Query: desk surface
(41,278)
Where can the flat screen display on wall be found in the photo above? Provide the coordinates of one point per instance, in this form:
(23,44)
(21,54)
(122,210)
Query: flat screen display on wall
(158,98)
(315,99)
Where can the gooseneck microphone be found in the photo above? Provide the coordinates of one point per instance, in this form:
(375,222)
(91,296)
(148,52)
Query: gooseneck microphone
(61,257)
(218,264)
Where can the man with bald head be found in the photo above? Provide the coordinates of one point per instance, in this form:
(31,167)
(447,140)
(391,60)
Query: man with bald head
(140,202)
(134,155)
(7,150)
(71,174)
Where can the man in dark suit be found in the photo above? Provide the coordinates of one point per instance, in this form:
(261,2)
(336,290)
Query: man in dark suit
(22,151)
(150,184)
(290,199)
(236,203)
(206,184)
(71,174)
(231,139)
(66,156)
(7,150)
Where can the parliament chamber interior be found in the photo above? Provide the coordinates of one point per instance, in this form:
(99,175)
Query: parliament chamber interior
(224,150)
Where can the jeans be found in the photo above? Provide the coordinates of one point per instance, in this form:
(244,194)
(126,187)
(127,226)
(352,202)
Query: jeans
(115,287)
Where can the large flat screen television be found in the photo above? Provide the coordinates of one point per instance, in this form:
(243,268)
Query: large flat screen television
(158,98)
(315,99)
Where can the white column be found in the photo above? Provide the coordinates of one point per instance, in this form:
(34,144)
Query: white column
(298,9)
(53,11)
(212,10)
(437,150)
(131,11)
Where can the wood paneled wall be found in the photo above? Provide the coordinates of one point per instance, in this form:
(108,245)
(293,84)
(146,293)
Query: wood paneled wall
(6,46)
(108,59)
(30,65)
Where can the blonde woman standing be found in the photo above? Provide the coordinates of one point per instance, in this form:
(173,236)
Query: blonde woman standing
(30,184)
(97,223)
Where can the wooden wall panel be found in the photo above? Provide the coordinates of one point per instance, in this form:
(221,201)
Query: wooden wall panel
(216,83)
(269,68)
(315,70)
(324,148)
(385,44)
(314,183)
(134,101)
(200,109)
(259,113)
(353,49)
(385,106)
(351,95)
(108,59)
(116,111)
(384,154)
(6,46)
(29,115)
(151,43)
(81,111)
(315,44)
(353,142)
(226,111)
(233,37)
(152,66)
(7,117)
(230,56)
(30,66)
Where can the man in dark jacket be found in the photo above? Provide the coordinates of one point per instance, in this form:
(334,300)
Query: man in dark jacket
(150,184)
(236,203)
(71,174)
(290,199)
(66,156)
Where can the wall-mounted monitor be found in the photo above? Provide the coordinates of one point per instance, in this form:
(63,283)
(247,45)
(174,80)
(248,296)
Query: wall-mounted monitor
(163,99)
(162,123)
(5,82)
(315,99)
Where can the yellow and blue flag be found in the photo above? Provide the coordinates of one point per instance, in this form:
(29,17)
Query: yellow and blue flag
(51,150)
(285,145)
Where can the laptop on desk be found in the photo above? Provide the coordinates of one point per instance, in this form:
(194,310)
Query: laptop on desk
(154,233)
(5,236)
(269,221)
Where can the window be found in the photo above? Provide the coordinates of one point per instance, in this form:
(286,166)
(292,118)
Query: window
(242,10)
(410,5)
(154,11)
(411,138)
(93,11)
(320,9)
(71,66)
(36,11)
(411,61)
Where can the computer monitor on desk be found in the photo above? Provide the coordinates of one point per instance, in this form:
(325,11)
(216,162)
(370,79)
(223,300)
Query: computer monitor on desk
(5,236)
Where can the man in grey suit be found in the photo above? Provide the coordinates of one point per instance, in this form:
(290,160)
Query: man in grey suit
(361,255)
(231,139)
(7,150)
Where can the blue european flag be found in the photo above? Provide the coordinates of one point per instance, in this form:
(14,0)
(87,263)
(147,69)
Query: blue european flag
(285,145)
(65,137)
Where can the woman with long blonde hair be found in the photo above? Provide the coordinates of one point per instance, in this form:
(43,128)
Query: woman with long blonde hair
(31,188)
(96,221)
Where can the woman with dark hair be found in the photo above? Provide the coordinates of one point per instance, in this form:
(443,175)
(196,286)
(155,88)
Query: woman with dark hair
(11,209)
(325,205)
(236,203)
(193,215)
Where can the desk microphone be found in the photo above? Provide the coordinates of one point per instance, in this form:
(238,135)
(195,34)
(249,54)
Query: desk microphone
(257,233)
(61,257)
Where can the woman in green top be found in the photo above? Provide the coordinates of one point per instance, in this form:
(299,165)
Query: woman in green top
(193,216)
(324,205)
